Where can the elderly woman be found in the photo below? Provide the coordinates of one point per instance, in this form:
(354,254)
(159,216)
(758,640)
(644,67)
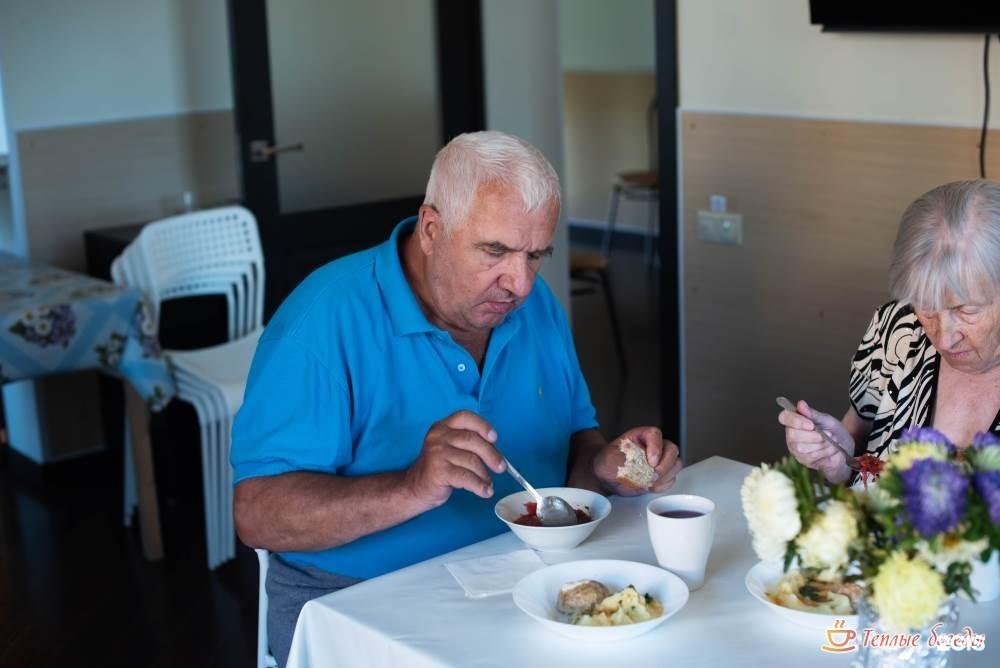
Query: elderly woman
(931,357)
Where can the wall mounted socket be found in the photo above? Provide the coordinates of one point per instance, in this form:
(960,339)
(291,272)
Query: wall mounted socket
(720,227)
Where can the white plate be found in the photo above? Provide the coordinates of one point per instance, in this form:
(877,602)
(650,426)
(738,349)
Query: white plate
(765,575)
(538,593)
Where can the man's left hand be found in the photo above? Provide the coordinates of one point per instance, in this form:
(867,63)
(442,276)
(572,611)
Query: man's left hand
(661,454)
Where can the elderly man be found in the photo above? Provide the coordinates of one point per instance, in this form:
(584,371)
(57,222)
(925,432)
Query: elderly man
(387,384)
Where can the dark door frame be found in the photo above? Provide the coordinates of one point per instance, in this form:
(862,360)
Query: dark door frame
(294,244)
(671,254)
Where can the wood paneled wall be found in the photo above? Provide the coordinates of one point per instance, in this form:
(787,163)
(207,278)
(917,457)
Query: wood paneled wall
(89,176)
(86,176)
(783,313)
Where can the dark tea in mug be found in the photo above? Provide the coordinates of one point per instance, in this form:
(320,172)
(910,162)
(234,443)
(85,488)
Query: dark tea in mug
(680,514)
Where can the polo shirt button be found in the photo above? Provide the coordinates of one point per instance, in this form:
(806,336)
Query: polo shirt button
(461,367)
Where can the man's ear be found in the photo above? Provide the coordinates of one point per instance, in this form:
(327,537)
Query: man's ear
(430,228)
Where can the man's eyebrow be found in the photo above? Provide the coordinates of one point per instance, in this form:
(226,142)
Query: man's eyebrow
(494,247)
(498,247)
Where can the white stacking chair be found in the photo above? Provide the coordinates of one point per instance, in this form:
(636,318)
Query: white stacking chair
(212,252)
(264,658)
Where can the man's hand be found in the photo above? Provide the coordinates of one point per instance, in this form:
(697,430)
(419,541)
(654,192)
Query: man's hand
(456,453)
(662,455)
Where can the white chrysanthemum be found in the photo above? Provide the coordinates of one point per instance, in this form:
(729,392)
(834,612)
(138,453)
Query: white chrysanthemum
(824,544)
(951,549)
(769,549)
(771,510)
(875,498)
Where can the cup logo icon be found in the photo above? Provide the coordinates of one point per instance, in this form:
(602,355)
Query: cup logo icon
(840,639)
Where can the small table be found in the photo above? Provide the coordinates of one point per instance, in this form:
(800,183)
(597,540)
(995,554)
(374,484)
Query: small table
(56,321)
(419,616)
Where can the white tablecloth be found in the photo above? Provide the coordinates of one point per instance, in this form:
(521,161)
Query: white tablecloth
(419,616)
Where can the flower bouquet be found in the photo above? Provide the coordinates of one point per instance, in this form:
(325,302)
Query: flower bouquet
(901,542)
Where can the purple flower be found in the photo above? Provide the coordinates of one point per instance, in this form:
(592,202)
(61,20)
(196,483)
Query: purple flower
(988,485)
(985,439)
(934,495)
(926,435)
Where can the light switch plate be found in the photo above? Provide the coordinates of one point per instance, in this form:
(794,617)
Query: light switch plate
(720,228)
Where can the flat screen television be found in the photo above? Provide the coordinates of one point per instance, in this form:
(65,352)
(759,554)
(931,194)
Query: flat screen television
(973,16)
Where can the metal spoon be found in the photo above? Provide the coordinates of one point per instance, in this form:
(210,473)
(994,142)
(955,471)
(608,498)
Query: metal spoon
(552,511)
(789,406)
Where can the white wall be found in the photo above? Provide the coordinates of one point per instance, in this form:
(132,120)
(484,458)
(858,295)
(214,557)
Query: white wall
(523,82)
(607,35)
(765,57)
(67,63)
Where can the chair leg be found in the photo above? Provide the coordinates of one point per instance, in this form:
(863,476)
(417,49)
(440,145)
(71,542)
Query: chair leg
(615,329)
(206,422)
(609,230)
(225,538)
(130,497)
(207,484)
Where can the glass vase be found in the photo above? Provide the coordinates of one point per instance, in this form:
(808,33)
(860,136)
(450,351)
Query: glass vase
(883,648)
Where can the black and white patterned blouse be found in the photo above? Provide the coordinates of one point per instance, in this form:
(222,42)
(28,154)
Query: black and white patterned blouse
(894,376)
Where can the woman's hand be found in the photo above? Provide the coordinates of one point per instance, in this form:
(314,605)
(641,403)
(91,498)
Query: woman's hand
(808,446)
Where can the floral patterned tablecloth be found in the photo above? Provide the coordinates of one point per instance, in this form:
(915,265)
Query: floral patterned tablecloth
(55,321)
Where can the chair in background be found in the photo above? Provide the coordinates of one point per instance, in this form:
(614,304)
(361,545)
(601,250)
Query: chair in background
(591,269)
(211,252)
(639,186)
(264,658)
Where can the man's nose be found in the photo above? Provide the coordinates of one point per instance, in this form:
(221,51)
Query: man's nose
(518,276)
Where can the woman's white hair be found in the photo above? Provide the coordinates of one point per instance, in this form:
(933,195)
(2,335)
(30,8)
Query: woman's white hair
(948,246)
(490,158)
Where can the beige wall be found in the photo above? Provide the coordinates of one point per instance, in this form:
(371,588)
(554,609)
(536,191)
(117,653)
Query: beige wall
(603,36)
(83,177)
(766,58)
(605,129)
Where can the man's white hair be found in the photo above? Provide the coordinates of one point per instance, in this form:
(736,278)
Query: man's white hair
(948,246)
(489,158)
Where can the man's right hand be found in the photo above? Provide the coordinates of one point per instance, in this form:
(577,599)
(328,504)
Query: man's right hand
(456,453)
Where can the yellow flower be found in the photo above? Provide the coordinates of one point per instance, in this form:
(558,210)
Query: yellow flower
(824,545)
(906,454)
(906,593)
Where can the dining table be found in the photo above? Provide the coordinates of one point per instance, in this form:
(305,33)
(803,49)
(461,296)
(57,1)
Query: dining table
(55,321)
(419,616)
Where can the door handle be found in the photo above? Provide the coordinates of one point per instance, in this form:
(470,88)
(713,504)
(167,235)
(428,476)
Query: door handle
(261,152)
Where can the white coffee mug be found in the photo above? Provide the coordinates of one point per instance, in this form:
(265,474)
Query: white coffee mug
(681,529)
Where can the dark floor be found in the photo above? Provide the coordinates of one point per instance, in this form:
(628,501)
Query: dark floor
(75,590)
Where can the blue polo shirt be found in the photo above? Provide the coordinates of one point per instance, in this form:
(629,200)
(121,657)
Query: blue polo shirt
(349,375)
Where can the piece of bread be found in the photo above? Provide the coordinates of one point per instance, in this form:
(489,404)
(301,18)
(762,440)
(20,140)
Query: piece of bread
(636,471)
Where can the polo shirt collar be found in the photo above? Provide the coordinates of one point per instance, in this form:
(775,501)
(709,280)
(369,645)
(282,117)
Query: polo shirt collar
(400,301)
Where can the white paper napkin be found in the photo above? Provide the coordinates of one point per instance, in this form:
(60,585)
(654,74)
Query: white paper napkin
(495,574)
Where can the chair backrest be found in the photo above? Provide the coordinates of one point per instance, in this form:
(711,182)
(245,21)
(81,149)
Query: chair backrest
(264,658)
(216,251)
